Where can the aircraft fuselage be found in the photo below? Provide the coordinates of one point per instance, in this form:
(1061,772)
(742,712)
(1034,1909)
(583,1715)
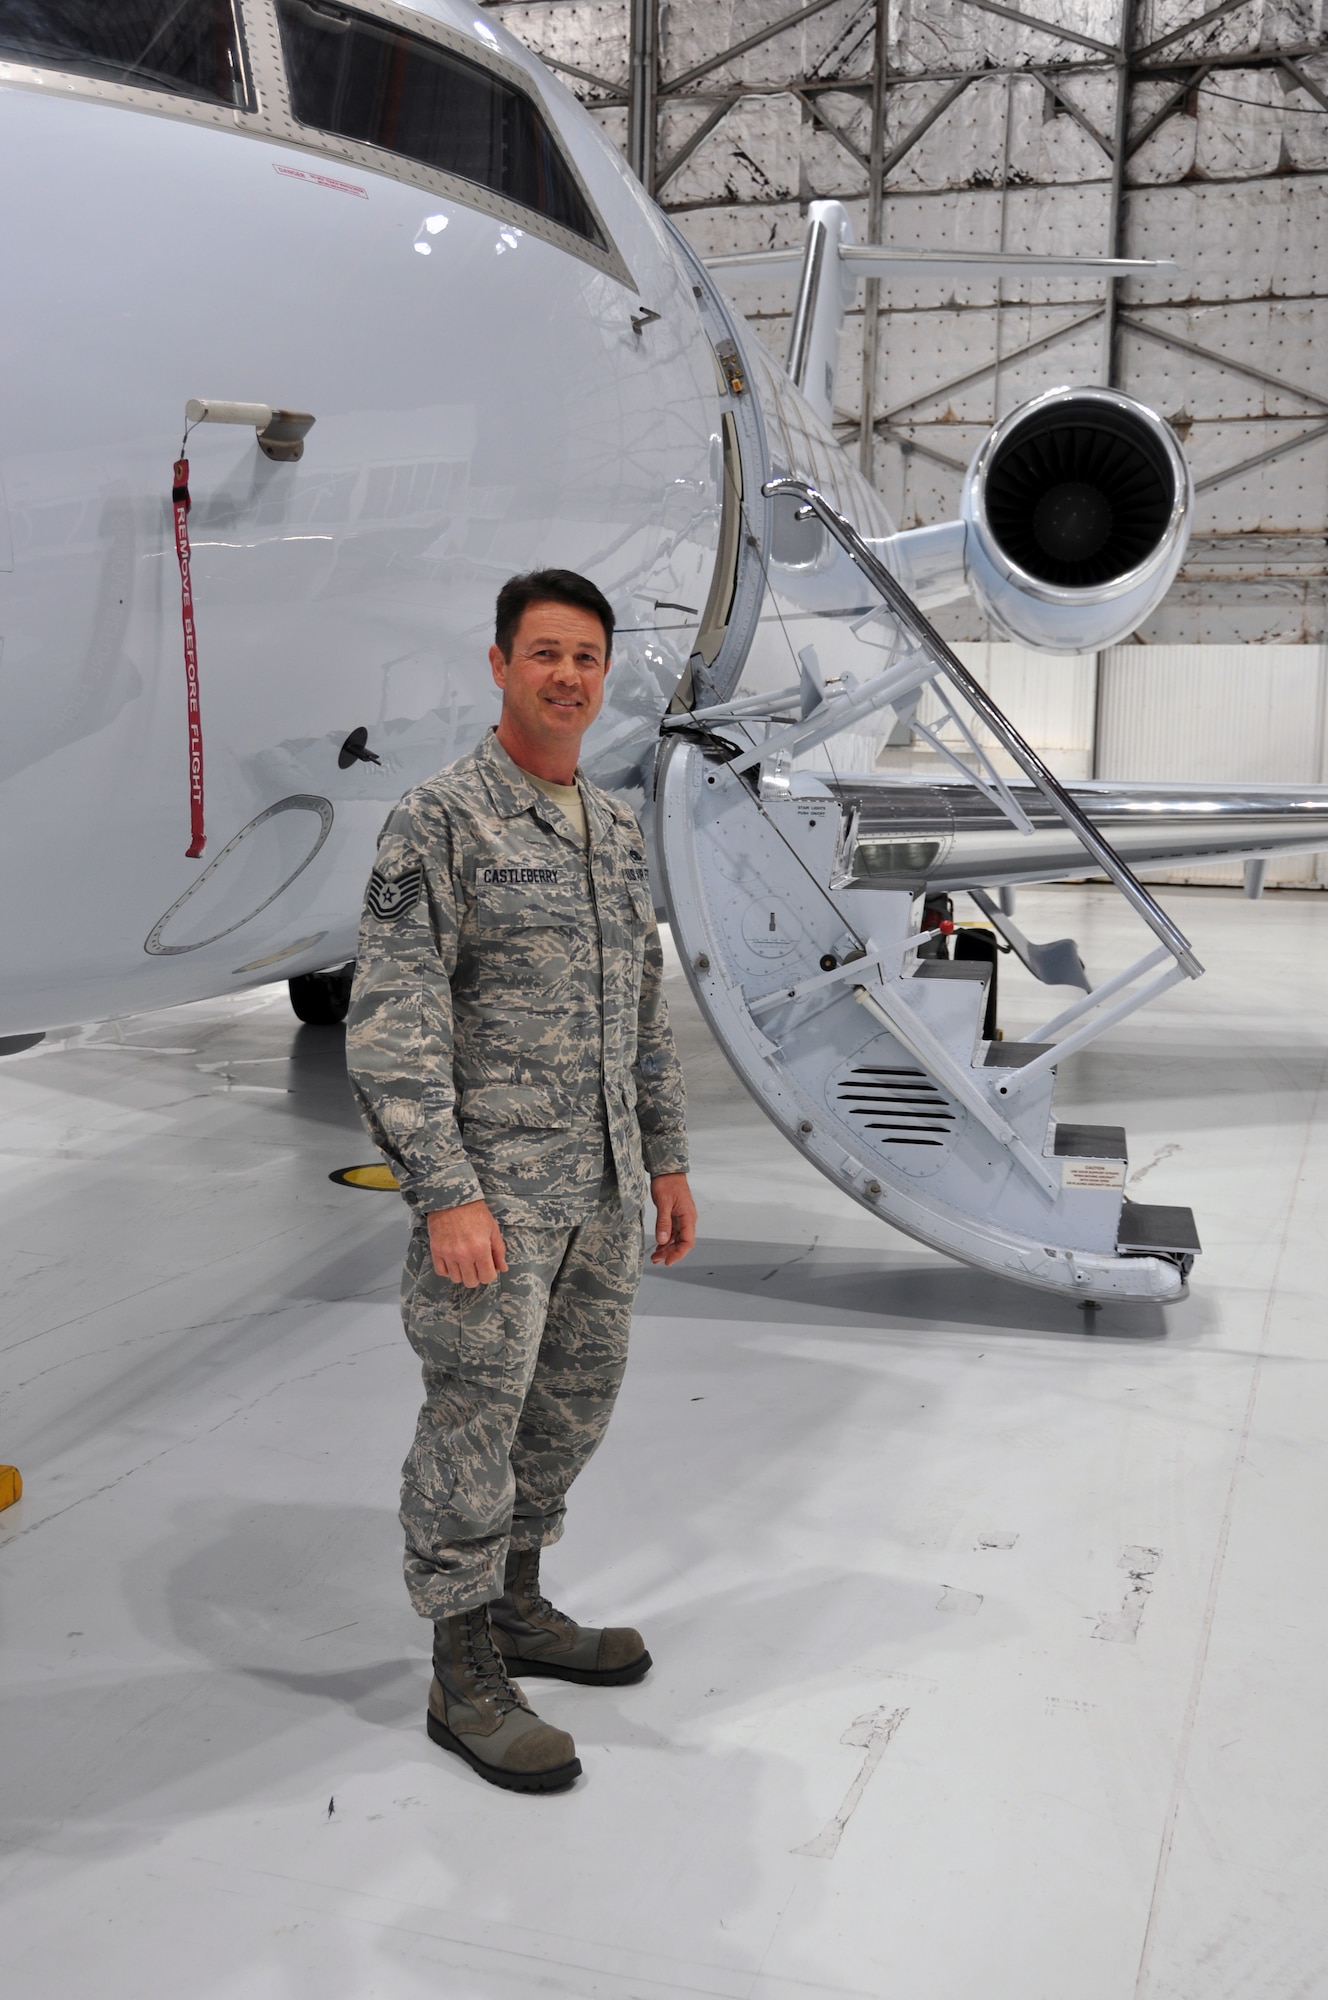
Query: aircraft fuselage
(483,405)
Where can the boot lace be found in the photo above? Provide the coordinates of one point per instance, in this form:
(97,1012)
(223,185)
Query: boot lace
(485,1663)
(536,1605)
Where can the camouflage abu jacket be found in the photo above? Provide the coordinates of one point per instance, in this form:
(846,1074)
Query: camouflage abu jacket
(508,1004)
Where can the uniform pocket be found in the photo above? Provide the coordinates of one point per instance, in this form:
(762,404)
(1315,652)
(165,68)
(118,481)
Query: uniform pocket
(527,895)
(481,1323)
(523,947)
(513,1107)
(510,913)
(427,1477)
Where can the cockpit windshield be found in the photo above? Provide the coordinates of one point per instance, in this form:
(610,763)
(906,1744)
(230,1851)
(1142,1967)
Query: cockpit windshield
(194,48)
(378,85)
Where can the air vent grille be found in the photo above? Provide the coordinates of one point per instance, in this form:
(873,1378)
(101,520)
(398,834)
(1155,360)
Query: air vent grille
(902,1107)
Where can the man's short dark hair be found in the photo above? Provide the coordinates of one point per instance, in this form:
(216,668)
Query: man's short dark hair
(548,586)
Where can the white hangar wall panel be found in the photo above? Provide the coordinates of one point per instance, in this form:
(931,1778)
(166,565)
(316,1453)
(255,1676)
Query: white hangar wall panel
(1224,714)
(1050,697)
(1173,714)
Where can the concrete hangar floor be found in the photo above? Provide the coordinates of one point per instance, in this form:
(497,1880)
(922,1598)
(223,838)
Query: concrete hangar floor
(989,1653)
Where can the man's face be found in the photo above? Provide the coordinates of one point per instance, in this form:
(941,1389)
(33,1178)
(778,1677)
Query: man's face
(553,685)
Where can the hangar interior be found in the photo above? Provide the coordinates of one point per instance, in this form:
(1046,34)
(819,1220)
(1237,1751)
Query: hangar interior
(1144,128)
(988,1632)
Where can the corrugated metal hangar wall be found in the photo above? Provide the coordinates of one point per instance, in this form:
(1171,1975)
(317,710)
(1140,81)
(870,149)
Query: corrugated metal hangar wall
(1149,128)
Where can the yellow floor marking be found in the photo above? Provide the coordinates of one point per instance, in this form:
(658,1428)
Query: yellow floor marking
(11,1485)
(377,1176)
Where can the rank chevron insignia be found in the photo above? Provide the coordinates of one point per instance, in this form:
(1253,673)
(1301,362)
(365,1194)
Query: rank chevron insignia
(388,900)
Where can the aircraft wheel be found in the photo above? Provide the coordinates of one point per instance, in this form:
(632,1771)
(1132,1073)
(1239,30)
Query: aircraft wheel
(321,999)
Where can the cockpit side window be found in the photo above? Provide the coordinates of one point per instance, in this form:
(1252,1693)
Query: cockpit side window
(376,84)
(193,48)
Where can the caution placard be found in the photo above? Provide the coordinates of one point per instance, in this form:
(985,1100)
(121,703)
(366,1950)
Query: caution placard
(1095,1173)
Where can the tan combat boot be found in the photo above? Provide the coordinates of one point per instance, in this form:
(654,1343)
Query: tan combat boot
(477,1711)
(535,1639)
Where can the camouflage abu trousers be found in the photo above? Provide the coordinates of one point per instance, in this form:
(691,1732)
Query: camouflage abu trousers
(520,1379)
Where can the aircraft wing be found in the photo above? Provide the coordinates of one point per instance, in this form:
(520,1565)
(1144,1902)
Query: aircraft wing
(951,836)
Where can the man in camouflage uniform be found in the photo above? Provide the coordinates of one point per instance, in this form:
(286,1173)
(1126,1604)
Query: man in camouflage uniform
(510,1050)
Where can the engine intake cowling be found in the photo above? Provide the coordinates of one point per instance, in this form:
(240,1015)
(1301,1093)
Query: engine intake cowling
(1076,511)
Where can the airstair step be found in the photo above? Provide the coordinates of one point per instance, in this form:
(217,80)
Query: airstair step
(1013,1055)
(1148,1229)
(876,1084)
(1091,1142)
(953,968)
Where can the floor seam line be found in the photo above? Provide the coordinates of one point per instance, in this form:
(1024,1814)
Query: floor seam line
(1215,1581)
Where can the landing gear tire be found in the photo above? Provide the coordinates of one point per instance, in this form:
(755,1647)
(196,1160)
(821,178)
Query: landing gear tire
(322,999)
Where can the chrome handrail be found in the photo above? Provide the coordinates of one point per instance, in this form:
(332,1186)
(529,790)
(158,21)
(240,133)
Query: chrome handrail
(924,633)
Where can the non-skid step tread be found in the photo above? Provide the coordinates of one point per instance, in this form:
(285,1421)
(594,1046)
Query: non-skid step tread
(1149,1226)
(1091,1142)
(953,968)
(1013,1055)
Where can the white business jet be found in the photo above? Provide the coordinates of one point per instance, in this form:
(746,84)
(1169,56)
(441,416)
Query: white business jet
(419,328)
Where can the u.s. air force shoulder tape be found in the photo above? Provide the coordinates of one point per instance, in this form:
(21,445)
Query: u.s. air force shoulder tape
(391,898)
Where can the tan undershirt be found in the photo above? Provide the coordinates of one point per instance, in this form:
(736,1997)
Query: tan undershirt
(568,799)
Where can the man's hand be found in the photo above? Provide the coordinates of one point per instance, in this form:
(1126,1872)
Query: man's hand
(675,1218)
(467,1243)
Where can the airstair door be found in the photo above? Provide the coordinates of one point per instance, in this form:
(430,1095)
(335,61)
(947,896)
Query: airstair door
(867,1054)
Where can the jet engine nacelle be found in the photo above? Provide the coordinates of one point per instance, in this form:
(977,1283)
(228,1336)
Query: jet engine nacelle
(1076,513)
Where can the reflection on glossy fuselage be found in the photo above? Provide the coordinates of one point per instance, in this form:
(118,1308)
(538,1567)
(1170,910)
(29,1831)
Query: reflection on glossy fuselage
(482,409)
